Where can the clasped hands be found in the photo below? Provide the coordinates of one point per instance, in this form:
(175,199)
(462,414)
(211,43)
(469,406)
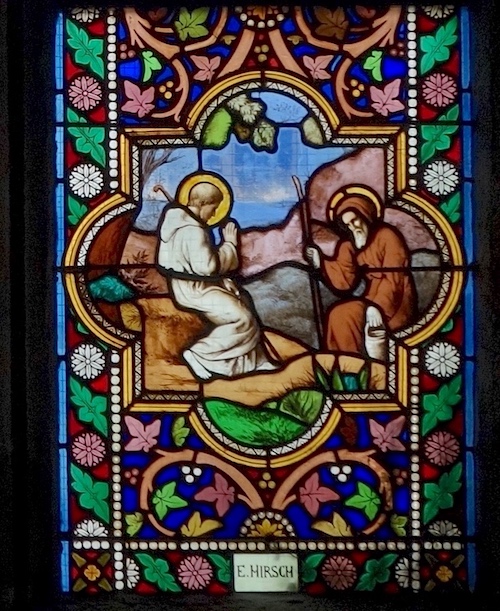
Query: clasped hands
(230,233)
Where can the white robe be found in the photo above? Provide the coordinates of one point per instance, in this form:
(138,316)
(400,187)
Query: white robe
(233,346)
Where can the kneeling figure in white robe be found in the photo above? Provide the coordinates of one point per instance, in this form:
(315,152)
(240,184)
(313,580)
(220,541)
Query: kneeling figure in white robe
(196,270)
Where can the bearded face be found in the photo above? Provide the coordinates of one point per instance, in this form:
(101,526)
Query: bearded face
(357,226)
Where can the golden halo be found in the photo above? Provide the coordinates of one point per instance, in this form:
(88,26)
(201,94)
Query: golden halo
(190,181)
(354,190)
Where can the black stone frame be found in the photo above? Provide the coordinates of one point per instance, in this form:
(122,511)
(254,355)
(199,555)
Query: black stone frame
(29,558)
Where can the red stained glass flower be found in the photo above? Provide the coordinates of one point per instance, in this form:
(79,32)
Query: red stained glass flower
(339,572)
(85,93)
(442,448)
(88,449)
(194,573)
(439,90)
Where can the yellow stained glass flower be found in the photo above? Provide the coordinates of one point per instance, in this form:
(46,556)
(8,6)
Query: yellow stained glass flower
(266,528)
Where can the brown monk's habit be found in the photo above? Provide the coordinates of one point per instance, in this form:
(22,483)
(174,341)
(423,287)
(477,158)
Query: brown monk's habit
(392,291)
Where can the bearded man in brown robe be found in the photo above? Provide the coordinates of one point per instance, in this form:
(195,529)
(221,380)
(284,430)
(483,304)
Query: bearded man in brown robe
(376,253)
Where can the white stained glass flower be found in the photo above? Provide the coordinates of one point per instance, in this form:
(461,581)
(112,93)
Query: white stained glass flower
(86,180)
(442,359)
(444,528)
(90,528)
(248,110)
(133,573)
(441,177)
(439,11)
(87,361)
(85,15)
(402,572)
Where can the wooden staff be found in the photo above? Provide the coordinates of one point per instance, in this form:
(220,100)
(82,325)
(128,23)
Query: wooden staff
(305,220)
(161,189)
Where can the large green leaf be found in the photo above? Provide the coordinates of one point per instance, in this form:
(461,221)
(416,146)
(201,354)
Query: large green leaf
(311,131)
(165,499)
(438,407)
(366,499)
(257,427)
(91,408)
(437,47)
(376,571)
(88,51)
(157,571)
(304,405)
(110,288)
(88,140)
(190,24)
(91,494)
(217,129)
(440,495)
(436,138)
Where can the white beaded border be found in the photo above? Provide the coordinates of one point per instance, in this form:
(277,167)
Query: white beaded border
(112,100)
(411,43)
(415,511)
(272,546)
(116,438)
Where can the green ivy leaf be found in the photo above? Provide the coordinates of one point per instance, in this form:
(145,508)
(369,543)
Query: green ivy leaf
(88,141)
(223,567)
(190,25)
(376,571)
(134,523)
(88,51)
(366,499)
(157,571)
(398,524)
(437,138)
(165,498)
(373,64)
(91,494)
(151,64)
(77,211)
(264,136)
(310,566)
(438,407)
(73,117)
(91,408)
(179,431)
(436,47)
(217,130)
(451,208)
(440,495)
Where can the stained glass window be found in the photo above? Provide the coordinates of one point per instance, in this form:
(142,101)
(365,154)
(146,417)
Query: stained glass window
(265,299)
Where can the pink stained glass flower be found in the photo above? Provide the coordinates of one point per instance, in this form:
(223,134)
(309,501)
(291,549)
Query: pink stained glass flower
(442,448)
(85,93)
(339,572)
(88,449)
(439,90)
(194,573)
